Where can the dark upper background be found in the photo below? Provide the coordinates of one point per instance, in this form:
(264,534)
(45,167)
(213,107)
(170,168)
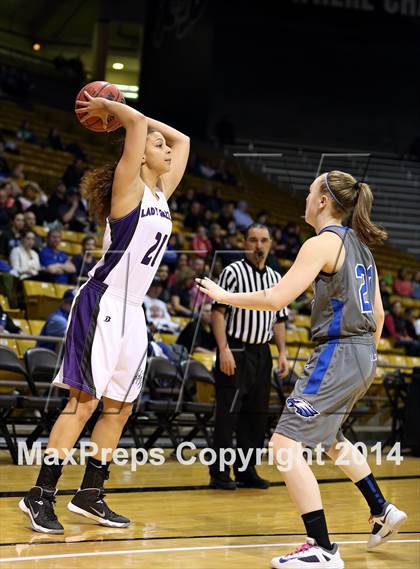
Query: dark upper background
(295,71)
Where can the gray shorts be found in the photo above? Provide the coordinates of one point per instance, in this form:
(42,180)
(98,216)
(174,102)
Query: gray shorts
(335,376)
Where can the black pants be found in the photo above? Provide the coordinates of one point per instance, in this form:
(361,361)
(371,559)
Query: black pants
(242,400)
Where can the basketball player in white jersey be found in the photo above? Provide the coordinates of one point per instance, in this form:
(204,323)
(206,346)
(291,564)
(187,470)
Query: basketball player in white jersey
(106,340)
(346,325)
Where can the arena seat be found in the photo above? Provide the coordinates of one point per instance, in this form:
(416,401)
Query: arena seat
(36,326)
(208,360)
(41,299)
(60,289)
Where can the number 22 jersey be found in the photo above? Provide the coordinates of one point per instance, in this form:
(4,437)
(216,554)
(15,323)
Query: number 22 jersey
(343,302)
(134,246)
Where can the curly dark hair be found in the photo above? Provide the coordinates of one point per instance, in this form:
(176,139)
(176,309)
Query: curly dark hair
(96,187)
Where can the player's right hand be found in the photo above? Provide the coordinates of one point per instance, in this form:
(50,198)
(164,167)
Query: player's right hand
(93,107)
(227,361)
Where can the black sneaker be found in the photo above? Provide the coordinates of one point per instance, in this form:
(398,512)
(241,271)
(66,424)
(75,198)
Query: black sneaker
(90,503)
(222,481)
(250,479)
(38,504)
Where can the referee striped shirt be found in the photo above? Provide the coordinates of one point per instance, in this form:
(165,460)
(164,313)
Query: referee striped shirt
(250,326)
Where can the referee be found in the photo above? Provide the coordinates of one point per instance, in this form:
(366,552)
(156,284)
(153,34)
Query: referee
(244,362)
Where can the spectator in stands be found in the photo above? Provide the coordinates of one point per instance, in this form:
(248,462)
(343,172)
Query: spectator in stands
(226,215)
(57,199)
(55,263)
(200,327)
(56,323)
(216,237)
(73,215)
(18,174)
(182,262)
(198,265)
(208,218)
(24,259)
(205,195)
(224,175)
(232,249)
(292,247)
(11,236)
(181,293)
(201,244)
(185,200)
(385,295)
(416,285)
(205,169)
(76,150)
(10,325)
(163,275)
(25,133)
(54,139)
(402,284)
(30,223)
(170,256)
(156,312)
(74,173)
(84,261)
(412,323)
(241,215)
(34,199)
(194,217)
(262,217)
(7,210)
(396,327)
(4,165)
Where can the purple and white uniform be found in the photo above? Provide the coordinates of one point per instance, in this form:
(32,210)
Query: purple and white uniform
(105,348)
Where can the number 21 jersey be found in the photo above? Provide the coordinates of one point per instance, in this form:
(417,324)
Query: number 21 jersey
(134,246)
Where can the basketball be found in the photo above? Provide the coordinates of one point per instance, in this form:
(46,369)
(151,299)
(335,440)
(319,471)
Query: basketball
(100,89)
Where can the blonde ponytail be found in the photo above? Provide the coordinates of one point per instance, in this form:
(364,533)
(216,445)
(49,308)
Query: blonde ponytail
(351,198)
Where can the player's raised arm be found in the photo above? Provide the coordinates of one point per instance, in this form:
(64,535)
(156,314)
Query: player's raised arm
(179,144)
(135,124)
(312,257)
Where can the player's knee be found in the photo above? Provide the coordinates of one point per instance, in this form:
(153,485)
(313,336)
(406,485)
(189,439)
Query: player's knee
(82,410)
(117,413)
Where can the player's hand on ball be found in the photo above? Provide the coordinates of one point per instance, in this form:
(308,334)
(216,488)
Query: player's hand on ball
(93,107)
(212,289)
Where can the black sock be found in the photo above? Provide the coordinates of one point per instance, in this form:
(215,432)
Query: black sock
(95,474)
(372,494)
(49,474)
(316,527)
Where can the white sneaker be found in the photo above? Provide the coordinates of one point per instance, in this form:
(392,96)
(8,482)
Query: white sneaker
(310,556)
(385,525)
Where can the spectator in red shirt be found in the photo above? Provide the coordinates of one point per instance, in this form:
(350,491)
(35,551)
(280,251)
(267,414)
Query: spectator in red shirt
(201,244)
(402,284)
(396,327)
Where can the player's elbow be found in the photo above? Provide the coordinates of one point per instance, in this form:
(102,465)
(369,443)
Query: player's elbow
(380,316)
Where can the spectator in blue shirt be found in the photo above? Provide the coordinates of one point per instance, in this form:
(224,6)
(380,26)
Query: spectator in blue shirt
(55,263)
(56,323)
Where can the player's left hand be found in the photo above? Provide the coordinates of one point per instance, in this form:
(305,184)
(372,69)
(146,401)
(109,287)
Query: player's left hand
(92,107)
(211,289)
(283,365)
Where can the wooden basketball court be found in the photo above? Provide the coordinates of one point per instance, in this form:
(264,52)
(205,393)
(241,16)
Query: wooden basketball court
(179,523)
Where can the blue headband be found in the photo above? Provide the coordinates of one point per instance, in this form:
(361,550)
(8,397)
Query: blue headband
(334,197)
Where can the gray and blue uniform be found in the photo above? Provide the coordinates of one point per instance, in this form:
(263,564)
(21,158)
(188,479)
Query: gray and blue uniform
(343,363)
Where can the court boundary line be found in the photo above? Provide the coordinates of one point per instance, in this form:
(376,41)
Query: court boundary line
(146,489)
(177,537)
(178,549)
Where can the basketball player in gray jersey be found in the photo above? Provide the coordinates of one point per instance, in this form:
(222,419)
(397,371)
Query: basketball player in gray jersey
(106,340)
(347,321)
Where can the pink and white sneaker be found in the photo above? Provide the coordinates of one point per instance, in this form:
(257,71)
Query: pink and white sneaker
(310,556)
